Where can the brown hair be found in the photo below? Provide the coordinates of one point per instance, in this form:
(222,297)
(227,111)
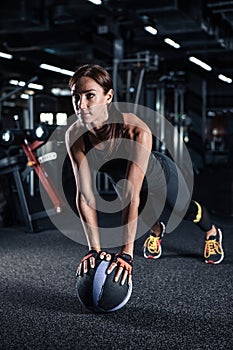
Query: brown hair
(95,72)
(114,130)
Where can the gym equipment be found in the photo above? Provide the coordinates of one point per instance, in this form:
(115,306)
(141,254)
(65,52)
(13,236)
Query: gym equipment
(18,136)
(29,141)
(98,292)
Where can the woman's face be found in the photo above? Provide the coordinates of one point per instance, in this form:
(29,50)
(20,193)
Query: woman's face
(89,101)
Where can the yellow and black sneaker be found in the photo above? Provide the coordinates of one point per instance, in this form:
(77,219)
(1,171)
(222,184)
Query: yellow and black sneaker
(152,248)
(213,252)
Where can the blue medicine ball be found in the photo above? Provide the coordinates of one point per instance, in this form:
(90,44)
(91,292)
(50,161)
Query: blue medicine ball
(98,291)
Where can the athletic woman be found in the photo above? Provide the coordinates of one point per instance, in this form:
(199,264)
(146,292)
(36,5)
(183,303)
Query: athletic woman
(122,144)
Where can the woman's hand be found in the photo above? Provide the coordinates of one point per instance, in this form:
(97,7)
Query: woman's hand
(123,264)
(88,262)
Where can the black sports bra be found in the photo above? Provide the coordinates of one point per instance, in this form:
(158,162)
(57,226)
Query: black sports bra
(116,166)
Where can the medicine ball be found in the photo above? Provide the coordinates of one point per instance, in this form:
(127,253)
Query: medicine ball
(98,291)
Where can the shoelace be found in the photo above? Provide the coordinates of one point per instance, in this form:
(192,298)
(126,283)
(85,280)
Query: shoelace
(212,247)
(153,244)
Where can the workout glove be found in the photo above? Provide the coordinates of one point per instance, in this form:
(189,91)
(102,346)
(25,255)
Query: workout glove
(87,262)
(124,265)
(123,260)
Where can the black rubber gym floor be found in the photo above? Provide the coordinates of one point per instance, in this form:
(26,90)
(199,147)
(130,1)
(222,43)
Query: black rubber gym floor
(178,301)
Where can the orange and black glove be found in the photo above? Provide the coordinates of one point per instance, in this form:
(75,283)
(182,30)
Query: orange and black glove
(124,265)
(87,262)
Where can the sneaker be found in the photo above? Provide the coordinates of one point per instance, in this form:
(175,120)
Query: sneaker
(152,248)
(213,252)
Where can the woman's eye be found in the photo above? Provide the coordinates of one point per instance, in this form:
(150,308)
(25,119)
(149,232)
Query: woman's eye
(89,96)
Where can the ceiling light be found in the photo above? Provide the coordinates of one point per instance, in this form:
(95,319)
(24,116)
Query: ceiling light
(60,92)
(172,43)
(6,55)
(200,63)
(35,86)
(56,69)
(24,96)
(225,79)
(96,2)
(13,82)
(67,72)
(22,83)
(17,82)
(151,30)
(49,67)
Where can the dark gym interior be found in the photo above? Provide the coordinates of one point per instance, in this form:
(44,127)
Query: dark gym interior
(173,57)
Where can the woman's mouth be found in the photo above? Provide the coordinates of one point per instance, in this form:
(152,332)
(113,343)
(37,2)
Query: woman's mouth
(85,115)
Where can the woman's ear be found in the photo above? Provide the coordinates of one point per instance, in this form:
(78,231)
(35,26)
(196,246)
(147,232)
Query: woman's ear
(110,95)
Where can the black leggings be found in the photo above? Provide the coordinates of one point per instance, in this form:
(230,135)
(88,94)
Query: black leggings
(174,193)
(199,215)
(191,211)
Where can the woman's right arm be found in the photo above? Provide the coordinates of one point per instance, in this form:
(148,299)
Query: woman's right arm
(85,198)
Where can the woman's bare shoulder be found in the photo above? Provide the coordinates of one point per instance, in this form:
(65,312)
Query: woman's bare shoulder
(132,121)
(74,132)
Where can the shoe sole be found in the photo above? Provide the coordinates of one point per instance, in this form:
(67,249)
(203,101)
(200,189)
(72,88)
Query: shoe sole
(222,257)
(151,256)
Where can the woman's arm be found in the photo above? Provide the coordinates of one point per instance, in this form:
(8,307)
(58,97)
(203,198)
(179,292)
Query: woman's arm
(140,152)
(141,146)
(85,198)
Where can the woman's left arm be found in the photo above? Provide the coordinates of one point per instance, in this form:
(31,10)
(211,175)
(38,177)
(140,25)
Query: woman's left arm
(140,153)
(141,146)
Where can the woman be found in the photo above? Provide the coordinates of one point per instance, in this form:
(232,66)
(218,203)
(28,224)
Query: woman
(121,143)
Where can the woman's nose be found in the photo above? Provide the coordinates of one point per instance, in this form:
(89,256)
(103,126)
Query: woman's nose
(82,103)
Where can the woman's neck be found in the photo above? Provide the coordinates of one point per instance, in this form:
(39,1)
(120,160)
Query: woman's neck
(101,133)
(98,123)
(96,128)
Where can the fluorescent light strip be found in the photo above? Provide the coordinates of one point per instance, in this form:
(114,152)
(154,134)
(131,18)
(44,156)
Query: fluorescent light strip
(35,86)
(151,30)
(49,67)
(172,43)
(56,69)
(60,92)
(6,55)
(96,2)
(224,78)
(200,63)
(22,83)
(67,72)
(24,96)
(13,82)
